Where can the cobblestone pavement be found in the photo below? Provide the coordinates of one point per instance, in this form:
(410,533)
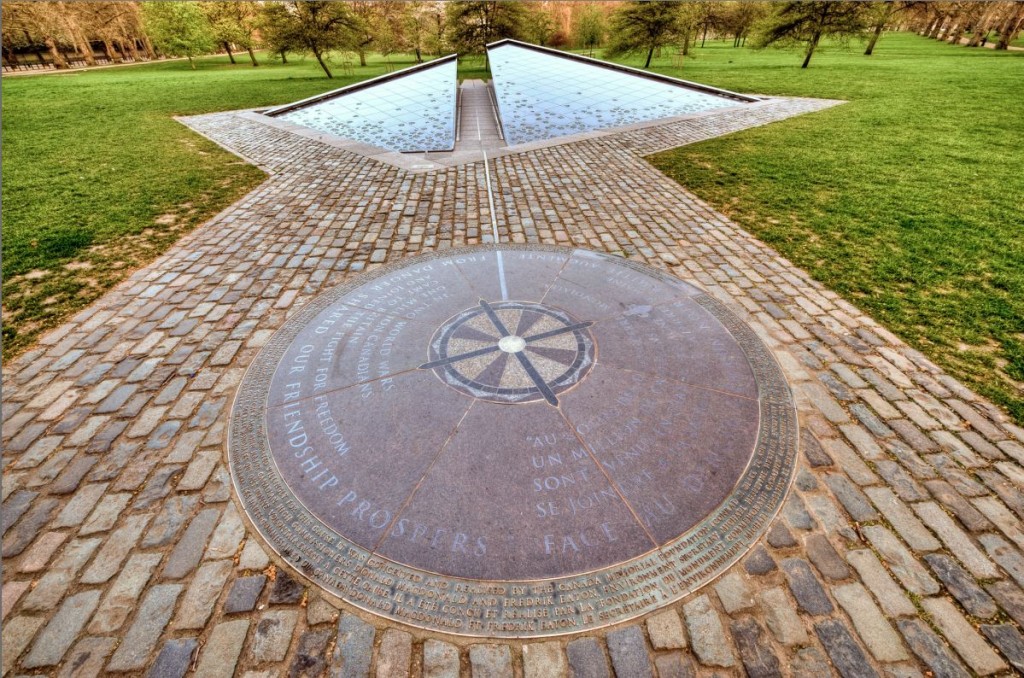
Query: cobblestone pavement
(899,551)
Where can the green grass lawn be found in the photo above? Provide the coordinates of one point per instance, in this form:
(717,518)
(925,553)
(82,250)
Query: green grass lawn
(908,201)
(98,179)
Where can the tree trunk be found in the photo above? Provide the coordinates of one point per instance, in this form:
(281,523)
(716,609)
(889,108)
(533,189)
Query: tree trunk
(686,43)
(191,62)
(227,48)
(874,38)
(320,60)
(148,45)
(1009,30)
(11,57)
(108,48)
(284,58)
(58,59)
(810,48)
(362,57)
(650,53)
(75,32)
(705,36)
(419,57)
(132,49)
(252,56)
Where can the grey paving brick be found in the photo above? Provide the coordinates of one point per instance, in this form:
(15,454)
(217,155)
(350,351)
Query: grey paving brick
(168,522)
(956,540)
(962,586)
(61,574)
(71,477)
(902,563)
(707,636)
(202,594)
(54,641)
(116,548)
(1009,641)
(847,657)
(755,649)
(903,519)
(586,659)
(272,636)
(354,650)
(244,593)
(189,549)
(310,660)
(1005,555)
(154,613)
(174,659)
(964,511)
(813,451)
(218,658)
(962,636)
(490,661)
(157,487)
(26,529)
(37,557)
(734,593)
(123,596)
(440,659)
(11,594)
(930,649)
(666,631)
(227,537)
(674,665)
(286,590)
(87,657)
(544,659)
(16,636)
(810,662)
(780,537)
(394,656)
(1010,598)
(824,557)
(806,588)
(852,499)
(106,513)
(15,507)
(628,652)
(759,562)
(870,623)
(781,617)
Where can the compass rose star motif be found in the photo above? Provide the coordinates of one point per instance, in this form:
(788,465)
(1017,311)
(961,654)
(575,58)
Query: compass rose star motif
(512,352)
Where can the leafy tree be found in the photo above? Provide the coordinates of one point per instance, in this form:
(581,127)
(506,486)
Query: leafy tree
(883,14)
(806,23)
(737,19)
(538,24)
(645,26)
(313,26)
(178,28)
(589,28)
(233,23)
(472,25)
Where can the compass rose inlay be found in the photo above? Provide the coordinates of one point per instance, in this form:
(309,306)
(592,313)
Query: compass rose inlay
(652,441)
(512,352)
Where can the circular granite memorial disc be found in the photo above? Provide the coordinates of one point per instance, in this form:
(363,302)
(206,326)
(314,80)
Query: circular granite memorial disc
(513,441)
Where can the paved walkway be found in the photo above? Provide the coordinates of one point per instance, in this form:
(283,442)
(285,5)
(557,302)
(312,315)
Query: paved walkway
(899,551)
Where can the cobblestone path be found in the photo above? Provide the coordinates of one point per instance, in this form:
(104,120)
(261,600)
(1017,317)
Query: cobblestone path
(899,551)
